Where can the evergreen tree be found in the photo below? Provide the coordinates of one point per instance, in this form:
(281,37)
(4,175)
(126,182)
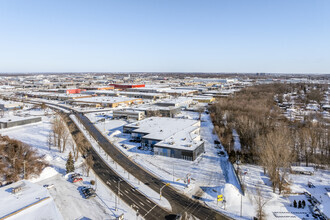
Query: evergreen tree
(69,164)
(295,203)
(299,204)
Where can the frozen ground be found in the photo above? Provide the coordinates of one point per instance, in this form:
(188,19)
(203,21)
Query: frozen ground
(69,201)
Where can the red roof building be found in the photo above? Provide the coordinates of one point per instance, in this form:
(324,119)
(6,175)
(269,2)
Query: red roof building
(126,86)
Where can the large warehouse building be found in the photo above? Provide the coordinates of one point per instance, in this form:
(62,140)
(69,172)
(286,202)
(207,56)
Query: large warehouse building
(171,137)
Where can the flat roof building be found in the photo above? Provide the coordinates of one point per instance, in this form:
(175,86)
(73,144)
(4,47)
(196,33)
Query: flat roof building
(127,86)
(14,121)
(7,105)
(105,101)
(171,137)
(129,114)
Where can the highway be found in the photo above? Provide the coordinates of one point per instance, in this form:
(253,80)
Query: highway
(179,202)
(134,198)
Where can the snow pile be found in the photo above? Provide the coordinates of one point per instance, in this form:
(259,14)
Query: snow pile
(45,174)
(232,195)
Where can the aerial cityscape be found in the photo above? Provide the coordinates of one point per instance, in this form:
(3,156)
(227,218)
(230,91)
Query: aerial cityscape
(148,110)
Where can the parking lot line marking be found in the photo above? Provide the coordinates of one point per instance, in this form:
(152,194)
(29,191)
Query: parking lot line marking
(148,201)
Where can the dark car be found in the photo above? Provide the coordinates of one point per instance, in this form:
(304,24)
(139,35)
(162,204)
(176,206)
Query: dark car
(221,153)
(173,217)
(197,197)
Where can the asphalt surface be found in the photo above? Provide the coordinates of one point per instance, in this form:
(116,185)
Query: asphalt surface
(138,201)
(179,202)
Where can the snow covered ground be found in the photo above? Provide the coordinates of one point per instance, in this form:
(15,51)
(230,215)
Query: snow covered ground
(210,174)
(282,205)
(68,199)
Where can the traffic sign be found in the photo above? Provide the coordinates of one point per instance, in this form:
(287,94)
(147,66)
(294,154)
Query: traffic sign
(220,197)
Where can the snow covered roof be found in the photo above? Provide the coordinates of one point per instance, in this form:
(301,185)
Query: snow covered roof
(35,200)
(171,132)
(14,118)
(104,99)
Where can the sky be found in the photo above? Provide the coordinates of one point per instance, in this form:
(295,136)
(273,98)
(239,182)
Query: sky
(237,36)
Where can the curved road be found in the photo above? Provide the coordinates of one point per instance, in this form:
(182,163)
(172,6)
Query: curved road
(134,198)
(179,202)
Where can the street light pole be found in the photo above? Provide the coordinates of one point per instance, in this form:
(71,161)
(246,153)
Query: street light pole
(173,173)
(160,191)
(118,197)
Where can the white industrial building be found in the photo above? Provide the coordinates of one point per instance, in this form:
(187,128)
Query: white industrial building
(171,137)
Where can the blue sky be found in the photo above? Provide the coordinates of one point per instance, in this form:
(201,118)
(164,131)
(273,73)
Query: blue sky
(287,36)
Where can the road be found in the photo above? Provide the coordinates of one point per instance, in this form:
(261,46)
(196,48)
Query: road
(134,198)
(179,202)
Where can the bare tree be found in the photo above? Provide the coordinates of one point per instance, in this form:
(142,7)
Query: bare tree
(275,155)
(89,162)
(261,202)
(60,133)
(200,110)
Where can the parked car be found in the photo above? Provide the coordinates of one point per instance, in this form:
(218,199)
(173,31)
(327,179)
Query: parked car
(88,192)
(197,197)
(221,153)
(124,146)
(74,175)
(77,179)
